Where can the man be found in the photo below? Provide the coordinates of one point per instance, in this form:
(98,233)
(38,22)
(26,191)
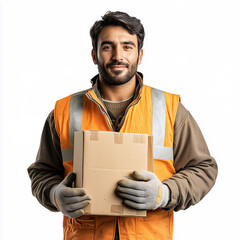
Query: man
(184,171)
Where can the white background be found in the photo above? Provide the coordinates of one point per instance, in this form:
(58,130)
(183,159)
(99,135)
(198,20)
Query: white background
(191,48)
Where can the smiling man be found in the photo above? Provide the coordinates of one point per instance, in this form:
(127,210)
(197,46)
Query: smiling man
(184,172)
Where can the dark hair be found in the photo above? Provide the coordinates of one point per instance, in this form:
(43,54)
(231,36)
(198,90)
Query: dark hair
(131,24)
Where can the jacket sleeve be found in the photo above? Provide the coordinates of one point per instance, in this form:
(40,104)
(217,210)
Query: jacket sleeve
(48,169)
(196,169)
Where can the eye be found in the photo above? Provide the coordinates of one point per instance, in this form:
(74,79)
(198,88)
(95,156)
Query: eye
(128,47)
(107,47)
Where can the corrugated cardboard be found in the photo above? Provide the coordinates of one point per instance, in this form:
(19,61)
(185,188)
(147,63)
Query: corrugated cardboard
(101,159)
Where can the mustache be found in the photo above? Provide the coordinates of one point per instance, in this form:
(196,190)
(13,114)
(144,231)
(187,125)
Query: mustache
(116,63)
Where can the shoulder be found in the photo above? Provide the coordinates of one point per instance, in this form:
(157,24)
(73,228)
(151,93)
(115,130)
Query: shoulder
(67,98)
(159,91)
(167,94)
(63,100)
(62,103)
(181,116)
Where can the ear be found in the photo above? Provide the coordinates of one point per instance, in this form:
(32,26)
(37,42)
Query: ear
(94,57)
(140,56)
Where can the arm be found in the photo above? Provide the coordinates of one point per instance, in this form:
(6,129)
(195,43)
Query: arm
(47,176)
(196,170)
(47,170)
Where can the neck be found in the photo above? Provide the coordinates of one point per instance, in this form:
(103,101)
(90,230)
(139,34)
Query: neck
(117,92)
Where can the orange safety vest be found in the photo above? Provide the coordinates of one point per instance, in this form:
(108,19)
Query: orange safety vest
(152,112)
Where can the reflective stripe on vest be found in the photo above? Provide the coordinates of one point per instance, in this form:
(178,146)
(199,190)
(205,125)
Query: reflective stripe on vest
(158,124)
(75,122)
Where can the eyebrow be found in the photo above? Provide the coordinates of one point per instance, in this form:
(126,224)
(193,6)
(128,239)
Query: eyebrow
(124,43)
(129,43)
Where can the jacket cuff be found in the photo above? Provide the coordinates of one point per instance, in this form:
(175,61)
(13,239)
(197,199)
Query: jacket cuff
(165,195)
(174,193)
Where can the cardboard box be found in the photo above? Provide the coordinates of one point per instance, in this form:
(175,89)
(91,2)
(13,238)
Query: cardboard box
(101,159)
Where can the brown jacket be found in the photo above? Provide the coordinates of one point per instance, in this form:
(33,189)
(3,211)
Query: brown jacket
(196,170)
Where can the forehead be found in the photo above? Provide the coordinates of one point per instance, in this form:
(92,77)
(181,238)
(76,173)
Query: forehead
(116,34)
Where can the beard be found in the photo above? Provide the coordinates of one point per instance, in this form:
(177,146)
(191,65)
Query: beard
(117,77)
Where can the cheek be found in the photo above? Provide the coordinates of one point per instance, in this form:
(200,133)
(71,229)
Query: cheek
(103,59)
(133,57)
(134,60)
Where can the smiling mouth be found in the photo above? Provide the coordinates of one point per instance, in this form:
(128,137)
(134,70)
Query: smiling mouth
(117,65)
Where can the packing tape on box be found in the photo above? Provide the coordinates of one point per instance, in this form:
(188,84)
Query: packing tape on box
(117,209)
(118,138)
(139,213)
(139,139)
(94,136)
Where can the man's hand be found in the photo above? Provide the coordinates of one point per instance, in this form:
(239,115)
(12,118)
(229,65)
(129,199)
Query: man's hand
(147,192)
(68,200)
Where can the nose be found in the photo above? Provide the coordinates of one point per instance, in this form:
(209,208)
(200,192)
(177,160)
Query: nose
(117,54)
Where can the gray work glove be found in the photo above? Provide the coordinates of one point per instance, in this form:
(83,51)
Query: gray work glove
(144,193)
(70,201)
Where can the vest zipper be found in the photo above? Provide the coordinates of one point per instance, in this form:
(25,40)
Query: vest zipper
(116,232)
(105,113)
(102,110)
(133,103)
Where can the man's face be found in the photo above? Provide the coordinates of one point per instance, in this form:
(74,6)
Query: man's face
(117,55)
